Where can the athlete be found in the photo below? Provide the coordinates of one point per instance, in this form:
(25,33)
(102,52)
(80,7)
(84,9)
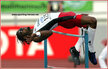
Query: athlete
(44,25)
(103,55)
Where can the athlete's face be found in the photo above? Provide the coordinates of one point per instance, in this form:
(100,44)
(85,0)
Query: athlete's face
(26,32)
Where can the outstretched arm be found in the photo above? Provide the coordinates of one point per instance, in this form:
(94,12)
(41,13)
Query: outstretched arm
(61,19)
(41,36)
(56,20)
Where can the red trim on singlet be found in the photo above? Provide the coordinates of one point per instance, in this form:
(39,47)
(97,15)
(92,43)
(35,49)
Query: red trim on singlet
(78,21)
(72,22)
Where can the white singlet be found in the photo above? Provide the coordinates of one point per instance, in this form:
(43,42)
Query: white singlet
(44,20)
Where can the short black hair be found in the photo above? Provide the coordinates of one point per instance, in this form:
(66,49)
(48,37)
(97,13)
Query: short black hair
(20,35)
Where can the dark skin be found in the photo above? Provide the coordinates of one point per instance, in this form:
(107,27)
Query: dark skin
(30,36)
(90,21)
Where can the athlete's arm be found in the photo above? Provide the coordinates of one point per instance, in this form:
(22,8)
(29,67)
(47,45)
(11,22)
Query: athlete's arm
(61,19)
(42,36)
(56,20)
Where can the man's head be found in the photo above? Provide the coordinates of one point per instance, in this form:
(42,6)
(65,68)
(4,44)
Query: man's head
(24,33)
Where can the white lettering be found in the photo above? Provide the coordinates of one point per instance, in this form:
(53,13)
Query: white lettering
(19,47)
(5,44)
(36,47)
(33,47)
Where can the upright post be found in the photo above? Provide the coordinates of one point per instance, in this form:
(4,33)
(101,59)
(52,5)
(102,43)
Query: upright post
(45,53)
(86,49)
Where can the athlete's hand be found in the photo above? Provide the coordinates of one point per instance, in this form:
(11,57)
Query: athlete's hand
(30,39)
(33,35)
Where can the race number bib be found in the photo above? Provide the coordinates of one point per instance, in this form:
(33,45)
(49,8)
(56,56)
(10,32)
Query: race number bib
(42,21)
